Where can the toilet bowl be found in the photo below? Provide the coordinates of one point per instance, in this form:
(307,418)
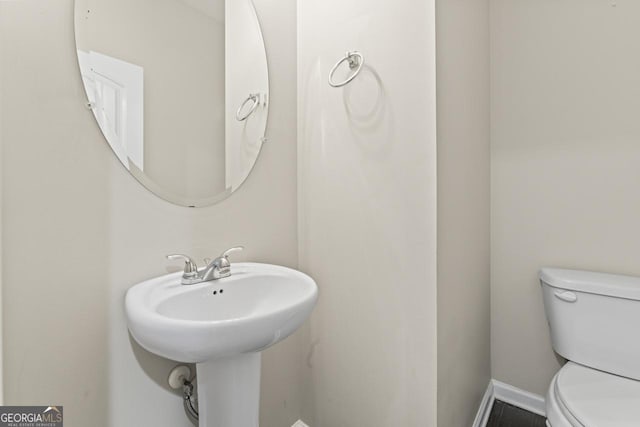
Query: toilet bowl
(584,397)
(594,320)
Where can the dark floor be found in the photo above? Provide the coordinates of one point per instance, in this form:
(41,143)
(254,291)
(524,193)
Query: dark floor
(505,415)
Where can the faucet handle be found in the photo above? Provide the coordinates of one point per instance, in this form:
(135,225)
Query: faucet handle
(190,267)
(229,251)
(224,265)
(221,266)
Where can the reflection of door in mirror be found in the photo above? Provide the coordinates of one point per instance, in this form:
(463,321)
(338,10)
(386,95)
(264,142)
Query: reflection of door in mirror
(115,92)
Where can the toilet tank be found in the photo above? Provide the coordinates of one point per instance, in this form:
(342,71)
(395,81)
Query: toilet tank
(594,318)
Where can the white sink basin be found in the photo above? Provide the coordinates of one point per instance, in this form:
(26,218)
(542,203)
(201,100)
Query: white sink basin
(254,308)
(221,325)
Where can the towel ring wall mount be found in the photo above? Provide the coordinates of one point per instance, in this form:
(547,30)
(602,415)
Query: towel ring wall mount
(355,60)
(253,97)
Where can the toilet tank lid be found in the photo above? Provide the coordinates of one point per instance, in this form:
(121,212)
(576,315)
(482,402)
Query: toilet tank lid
(591,282)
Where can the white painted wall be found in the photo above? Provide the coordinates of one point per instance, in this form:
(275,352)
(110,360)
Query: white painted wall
(565,103)
(1,210)
(78,230)
(367,211)
(464,366)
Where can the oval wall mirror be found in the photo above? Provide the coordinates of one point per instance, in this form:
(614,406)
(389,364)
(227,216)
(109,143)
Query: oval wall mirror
(180,90)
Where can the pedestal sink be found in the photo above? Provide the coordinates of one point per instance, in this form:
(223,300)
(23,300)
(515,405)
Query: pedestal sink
(221,326)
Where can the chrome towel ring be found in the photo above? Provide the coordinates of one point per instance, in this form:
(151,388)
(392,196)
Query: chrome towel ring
(355,60)
(255,97)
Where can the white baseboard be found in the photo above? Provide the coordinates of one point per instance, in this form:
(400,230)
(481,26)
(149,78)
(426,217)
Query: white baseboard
(497,390)
(518,397)
(485,407)
(299,423)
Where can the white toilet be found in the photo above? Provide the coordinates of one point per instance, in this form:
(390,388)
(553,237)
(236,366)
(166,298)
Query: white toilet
(594,320)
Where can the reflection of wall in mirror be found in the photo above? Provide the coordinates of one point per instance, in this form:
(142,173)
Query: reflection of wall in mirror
(115,91)
(180,44)
(246,73)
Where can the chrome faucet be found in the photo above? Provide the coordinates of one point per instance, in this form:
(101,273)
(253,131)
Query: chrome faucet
(216,269)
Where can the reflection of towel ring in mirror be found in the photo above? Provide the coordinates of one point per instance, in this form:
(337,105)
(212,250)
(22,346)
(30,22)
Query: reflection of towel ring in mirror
(356,61)
(255,97)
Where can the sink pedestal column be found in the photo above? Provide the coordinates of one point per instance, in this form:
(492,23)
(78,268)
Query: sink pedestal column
(229,391)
